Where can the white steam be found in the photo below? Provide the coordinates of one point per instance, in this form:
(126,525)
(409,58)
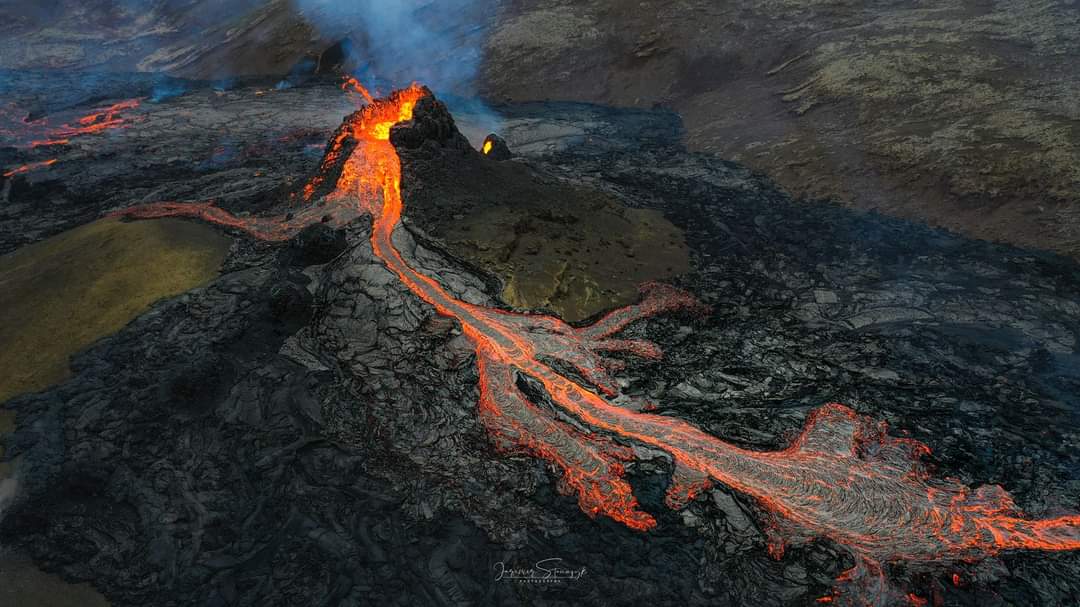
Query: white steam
(438,43)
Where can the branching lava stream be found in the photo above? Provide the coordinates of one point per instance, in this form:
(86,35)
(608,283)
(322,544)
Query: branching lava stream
(843,478)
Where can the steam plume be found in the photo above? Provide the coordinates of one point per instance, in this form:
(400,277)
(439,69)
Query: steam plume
(437,43)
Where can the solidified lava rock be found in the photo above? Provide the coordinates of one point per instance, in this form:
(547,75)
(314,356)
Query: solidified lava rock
(196,383)
(317,244)
(334,57)
(290,303)
(338,459)
(554,244)
(431,122)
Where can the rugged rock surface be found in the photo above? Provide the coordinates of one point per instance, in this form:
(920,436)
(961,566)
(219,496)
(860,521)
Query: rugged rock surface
(237,146)
(554,245)
(959,113)
(302,430)
(152,36)
(215,40)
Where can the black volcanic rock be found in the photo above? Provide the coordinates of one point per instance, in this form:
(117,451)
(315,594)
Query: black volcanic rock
(275,440)
(431,124)
(290,302)
(195,384)
(317,244)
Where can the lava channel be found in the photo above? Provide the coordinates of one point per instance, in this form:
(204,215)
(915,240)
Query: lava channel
(843,478)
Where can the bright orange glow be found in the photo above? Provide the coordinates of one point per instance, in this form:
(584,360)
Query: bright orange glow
(103,119)
(25,133)
(371,123)
(916,600)
(33,166)
(487,146)
(98,121)
(844,477)
(352,85)
(48,142)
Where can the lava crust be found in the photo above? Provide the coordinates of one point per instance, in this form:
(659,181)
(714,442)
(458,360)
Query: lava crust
(332,423)
(843,478)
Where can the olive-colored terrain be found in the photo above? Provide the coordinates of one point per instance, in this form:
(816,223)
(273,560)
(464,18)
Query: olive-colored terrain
(574,261)
(553,245)
(57,297)
(63,293)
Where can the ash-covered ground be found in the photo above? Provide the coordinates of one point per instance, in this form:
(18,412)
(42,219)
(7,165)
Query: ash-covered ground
(302,430)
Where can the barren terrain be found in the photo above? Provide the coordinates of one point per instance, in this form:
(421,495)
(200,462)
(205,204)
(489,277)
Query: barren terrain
(960,113)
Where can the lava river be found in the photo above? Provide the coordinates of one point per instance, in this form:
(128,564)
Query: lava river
(843,478)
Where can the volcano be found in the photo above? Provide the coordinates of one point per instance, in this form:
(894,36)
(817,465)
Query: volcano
(842,478)
(352,396)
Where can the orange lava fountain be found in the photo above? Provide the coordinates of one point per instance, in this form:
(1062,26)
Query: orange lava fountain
(843,478)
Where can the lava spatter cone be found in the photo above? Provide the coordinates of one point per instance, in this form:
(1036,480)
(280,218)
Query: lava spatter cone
(431,125)
(844,477)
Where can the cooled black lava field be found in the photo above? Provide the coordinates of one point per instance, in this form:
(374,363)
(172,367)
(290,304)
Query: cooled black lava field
(304,429)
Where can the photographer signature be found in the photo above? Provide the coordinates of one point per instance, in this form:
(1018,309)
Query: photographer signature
(548,570)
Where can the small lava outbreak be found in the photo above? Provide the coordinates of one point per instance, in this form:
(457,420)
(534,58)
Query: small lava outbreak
(26,168)
(18,131)
(842,478)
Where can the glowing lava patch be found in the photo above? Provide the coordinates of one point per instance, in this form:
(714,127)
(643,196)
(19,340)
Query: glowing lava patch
(19,131)
(33,166)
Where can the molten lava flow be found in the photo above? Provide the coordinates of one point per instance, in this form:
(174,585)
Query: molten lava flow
(843,478)
(99,120)
(17,130)
(37,143)
(487,146)
(33,166)
(352,85)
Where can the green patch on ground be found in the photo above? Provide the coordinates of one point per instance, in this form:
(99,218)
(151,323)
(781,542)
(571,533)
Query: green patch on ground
(60,295)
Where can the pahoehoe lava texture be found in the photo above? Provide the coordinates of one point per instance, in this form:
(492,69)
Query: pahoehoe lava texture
(248,442)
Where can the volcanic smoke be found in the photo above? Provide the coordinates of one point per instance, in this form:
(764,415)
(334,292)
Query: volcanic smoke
(843,478)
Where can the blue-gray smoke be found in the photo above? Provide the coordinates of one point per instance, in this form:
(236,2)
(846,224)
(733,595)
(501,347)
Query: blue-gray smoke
(389,44)
(394,42)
